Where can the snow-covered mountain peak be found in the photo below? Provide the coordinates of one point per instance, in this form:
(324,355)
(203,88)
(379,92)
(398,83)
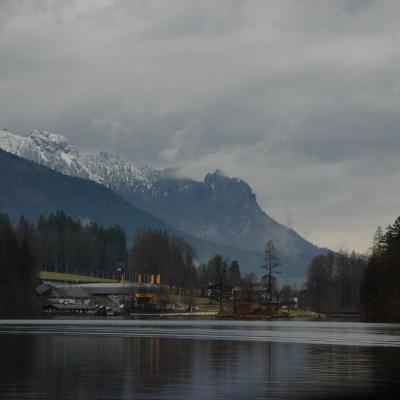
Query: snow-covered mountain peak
(48,137)
(106,156)
(55,151)
(9,141)
(52,142)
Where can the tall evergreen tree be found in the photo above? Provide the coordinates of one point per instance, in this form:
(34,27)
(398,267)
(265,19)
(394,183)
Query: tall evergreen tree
(6,268)
(18,277)
(234,276)
(27,275)
(272,264)
(378,242)
(380,294)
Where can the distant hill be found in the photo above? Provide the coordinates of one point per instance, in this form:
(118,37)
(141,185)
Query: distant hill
(29,189)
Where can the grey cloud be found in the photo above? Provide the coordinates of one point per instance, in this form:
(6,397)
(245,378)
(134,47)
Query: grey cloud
(299,98)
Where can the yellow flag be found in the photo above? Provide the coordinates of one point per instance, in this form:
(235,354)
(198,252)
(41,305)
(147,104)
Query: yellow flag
(152,279)
(158,279)
(139,279)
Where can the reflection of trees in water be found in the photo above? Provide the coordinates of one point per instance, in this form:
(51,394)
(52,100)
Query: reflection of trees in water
(284,366)
(235,369)
(83,367)
(386,366)
(79,367)
(223,357)
(17,359)
(96,367)
(358,370)
(154,364)
(93,367)
(179,367)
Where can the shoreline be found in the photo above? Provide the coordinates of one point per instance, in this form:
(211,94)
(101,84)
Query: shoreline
(195,315)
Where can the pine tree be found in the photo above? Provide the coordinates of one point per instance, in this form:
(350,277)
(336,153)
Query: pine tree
(8,267)
(395,235)
(272,264)
(27,276)
(378,242)
(381,280)
(234,275)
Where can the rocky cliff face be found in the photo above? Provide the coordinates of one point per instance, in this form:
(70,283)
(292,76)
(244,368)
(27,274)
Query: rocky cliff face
(221,209)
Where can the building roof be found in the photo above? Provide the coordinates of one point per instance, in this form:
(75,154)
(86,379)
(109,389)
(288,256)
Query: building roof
(44,289)
(118,288)
(72,292)
(59,306)
(88,290)
(64,292)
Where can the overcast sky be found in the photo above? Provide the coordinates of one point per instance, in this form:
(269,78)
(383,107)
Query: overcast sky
(299,98)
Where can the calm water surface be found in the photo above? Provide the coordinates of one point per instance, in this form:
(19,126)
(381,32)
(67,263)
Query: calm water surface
(120,359)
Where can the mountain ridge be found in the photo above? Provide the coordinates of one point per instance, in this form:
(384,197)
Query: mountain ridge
(30,189)
(219,209)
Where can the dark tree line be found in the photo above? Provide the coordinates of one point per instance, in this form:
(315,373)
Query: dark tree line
(333,283)
(156,252)
(62,244)
(380,292)
(57,243)
(350,282)
(18,270)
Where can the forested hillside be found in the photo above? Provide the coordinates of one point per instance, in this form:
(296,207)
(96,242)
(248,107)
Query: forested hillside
(218,209)
(29,189)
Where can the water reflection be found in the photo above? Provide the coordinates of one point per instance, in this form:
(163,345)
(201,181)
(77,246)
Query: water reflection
(17,360)
(98,367)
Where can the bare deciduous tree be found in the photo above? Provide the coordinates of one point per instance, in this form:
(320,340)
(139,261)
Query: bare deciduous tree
(218,269)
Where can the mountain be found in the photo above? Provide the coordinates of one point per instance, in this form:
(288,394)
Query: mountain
(218,209)
(30,189)
(221,209)
(55,152)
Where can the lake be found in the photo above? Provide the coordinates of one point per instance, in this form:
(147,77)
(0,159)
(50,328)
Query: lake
(131,359)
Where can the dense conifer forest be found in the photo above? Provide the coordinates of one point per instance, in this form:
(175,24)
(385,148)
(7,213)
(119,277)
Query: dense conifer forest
(380,290)
(368,284)
(336,281)
(62,244)
(58,243)
(18,270)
